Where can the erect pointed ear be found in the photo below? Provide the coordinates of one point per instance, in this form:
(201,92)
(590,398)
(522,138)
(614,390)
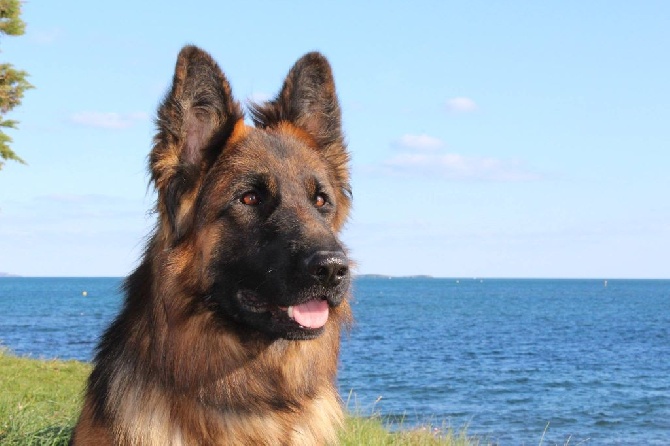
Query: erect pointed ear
(194,120)
(308,100)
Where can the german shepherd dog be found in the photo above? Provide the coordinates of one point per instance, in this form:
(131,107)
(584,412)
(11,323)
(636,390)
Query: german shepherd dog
(229,333)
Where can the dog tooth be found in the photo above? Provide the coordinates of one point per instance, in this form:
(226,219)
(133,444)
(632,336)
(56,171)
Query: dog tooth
(290,311)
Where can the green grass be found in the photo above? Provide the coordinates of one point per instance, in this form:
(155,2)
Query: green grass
(362,430)
(40,401)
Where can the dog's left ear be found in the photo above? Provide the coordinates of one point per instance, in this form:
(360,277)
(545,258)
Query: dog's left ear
(308,100)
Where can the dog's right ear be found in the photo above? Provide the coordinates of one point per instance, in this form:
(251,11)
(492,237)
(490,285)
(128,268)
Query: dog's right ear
(194,120)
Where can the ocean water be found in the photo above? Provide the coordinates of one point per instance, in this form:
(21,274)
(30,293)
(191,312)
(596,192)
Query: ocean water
(517,361)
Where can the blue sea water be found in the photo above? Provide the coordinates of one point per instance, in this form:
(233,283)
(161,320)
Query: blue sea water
(517,361)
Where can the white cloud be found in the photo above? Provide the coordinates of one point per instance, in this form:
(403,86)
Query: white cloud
(461,105)
(421,142)
(426,156)
(114,121)
(46,36)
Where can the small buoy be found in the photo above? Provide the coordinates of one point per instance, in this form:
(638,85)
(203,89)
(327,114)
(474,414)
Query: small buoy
(84,293)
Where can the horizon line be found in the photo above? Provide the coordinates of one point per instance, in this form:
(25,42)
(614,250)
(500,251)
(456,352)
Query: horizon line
(4,275)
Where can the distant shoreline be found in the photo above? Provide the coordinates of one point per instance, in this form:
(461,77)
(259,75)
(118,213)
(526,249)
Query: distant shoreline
(384,276)
(8,275)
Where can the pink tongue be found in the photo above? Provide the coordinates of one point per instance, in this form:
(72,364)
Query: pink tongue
(312,314)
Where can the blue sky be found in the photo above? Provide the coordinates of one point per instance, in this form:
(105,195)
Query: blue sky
(489,139)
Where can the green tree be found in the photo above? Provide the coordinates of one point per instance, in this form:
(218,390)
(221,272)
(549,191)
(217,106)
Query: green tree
(13,82)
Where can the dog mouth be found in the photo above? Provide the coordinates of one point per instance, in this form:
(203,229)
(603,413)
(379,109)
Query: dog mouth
(308,317)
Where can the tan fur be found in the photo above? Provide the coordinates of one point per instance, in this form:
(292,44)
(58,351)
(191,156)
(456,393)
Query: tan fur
(171,370)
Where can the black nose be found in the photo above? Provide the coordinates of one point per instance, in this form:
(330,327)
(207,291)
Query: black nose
(328,268)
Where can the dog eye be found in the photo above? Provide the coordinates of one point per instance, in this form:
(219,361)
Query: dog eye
(320,200)
(251,199)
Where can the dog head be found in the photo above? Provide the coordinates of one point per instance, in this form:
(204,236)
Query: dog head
(249,215)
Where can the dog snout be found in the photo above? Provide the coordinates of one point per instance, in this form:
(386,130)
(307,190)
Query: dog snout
(328,268)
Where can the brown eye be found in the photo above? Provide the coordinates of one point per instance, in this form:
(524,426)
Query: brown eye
(251,199)
(319,201)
